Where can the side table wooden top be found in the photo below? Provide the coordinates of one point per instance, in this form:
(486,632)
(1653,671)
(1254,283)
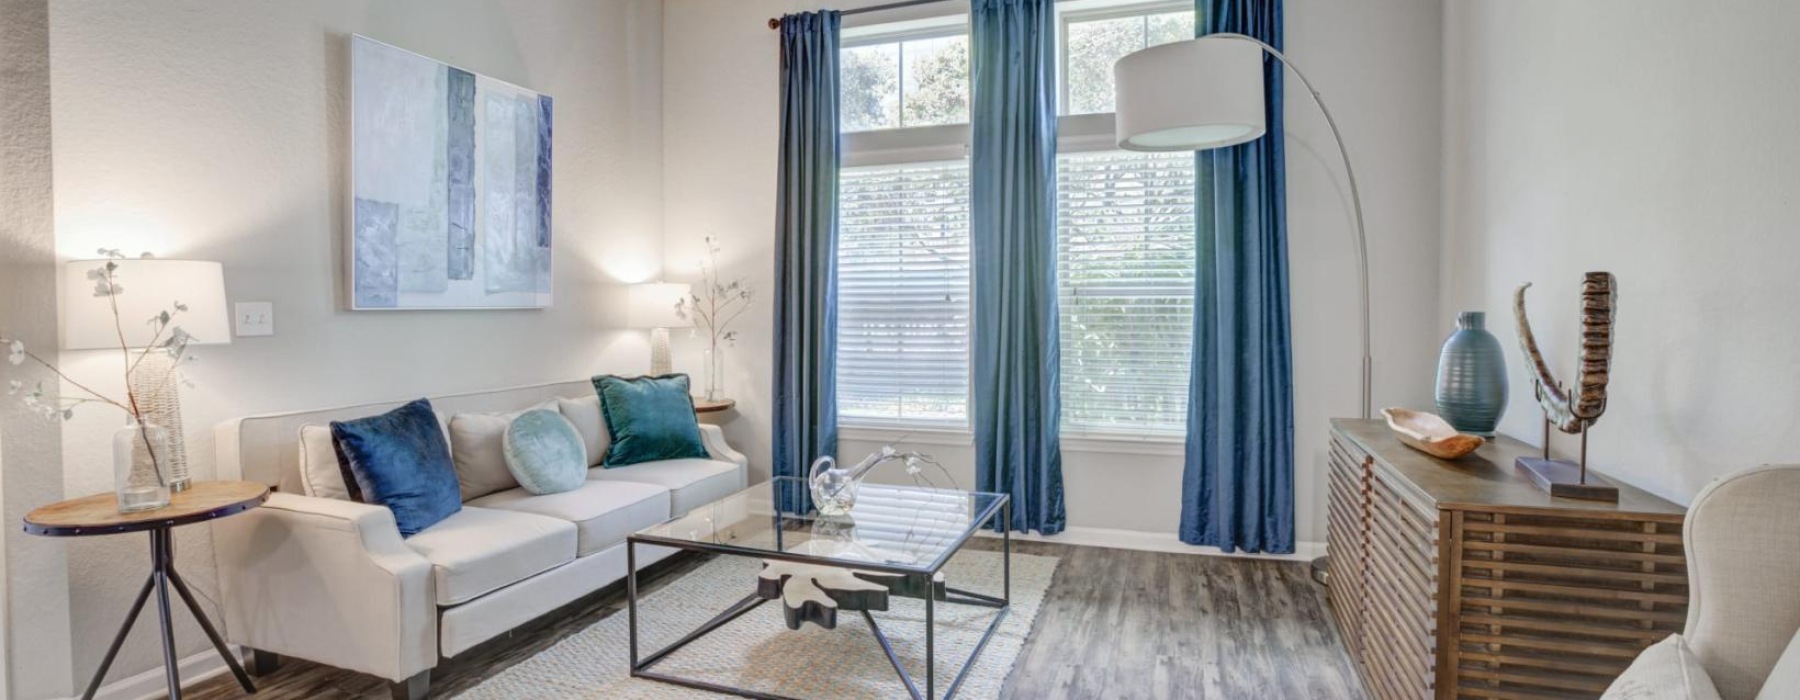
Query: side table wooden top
(704,406)
(99,514)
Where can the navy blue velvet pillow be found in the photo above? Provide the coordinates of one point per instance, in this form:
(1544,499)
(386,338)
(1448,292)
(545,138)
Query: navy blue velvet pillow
(650,419)
(400,459)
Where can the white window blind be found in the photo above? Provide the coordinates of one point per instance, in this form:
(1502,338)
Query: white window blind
(1125,273)
(903,295)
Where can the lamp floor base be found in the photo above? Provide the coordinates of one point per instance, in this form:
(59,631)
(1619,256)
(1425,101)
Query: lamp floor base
(1563,480)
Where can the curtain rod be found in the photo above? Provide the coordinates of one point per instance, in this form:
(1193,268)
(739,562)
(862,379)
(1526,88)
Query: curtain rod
(775,22)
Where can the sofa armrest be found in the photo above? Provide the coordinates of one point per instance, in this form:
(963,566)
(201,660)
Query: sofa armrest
(714,438)
(329,581)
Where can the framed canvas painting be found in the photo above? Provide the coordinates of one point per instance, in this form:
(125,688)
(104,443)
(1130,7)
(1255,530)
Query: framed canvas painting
(450,186)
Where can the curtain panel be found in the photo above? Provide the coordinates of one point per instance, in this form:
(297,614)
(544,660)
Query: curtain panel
(1013,244)
(1238,480)
(806,233)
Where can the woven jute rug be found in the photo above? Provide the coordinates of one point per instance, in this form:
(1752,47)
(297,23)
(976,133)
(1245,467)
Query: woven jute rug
(758,652)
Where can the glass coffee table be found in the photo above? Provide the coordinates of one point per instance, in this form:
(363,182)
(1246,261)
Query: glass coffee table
(899,536)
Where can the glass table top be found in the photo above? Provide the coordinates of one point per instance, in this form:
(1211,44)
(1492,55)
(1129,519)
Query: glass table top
(898,529)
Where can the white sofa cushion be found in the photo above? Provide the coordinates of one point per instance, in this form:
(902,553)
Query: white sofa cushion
(320,475)
(477,446)
(691,482)
(480,550)
(1667,670)
(585,414)
(603,512)
(1784,681)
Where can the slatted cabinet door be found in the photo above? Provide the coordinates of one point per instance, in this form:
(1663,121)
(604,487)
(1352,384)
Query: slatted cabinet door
(1400,620)
(1347,532)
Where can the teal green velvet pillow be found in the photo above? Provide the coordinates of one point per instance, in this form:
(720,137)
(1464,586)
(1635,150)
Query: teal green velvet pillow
(650,419)
(544,452)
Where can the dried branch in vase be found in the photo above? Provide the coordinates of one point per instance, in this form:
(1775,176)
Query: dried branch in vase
(713,306)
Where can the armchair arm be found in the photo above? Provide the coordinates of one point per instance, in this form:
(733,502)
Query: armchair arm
(714,438)
(329,581)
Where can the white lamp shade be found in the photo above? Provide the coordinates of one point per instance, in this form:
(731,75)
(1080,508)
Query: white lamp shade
(148,287)
(653,305)
(1190,95)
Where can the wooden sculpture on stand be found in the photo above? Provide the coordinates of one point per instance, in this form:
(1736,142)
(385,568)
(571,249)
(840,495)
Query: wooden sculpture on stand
(1573,412)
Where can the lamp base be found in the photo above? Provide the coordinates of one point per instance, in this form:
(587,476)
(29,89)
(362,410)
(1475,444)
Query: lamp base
(1563,479)
(659,353)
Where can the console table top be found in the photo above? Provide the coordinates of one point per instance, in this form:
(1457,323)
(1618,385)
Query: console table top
(1487,479)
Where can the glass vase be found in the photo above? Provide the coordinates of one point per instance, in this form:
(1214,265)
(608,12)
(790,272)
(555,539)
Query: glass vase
(715,368)
(140,466)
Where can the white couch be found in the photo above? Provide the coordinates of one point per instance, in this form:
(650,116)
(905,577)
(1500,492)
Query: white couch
(332,581)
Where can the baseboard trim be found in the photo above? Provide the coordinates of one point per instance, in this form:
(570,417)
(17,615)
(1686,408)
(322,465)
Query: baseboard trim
(1157,542)
(151,684)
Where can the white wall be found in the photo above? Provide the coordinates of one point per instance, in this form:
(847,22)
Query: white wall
(34,605)
(217,131)
(1652,139)
(1379,66)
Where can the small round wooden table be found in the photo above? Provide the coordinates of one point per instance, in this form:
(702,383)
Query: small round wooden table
(99,515)
(706,406)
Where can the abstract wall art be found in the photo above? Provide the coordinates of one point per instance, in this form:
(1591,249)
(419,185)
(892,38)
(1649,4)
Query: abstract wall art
(450,180)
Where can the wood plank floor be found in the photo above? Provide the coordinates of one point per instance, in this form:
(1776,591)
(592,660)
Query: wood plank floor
(1114,624)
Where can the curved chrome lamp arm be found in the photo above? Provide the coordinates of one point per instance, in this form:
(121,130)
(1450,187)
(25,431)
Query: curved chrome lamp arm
(1362,239)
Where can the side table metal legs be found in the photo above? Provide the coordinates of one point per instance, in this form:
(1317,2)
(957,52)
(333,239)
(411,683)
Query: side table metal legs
(162,578)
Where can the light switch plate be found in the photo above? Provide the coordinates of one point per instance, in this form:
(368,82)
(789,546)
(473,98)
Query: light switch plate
(254,318)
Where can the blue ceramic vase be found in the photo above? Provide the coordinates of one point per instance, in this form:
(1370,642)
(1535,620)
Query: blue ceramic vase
(1471,377)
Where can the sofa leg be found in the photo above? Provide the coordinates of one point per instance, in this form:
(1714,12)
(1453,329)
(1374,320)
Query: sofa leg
(414,688)
(263,663)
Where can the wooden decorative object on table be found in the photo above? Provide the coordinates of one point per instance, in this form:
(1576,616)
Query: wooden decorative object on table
(1575,412)
(1430,433)
(1463,580)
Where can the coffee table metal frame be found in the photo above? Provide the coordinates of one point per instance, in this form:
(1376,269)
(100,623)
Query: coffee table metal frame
(1001,508)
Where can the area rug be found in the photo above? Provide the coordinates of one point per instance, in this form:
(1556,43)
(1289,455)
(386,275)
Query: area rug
(758,652)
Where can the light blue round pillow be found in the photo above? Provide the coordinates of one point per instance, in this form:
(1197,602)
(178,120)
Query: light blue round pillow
(544,452)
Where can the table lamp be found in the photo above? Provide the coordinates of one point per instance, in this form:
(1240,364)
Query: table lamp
(149,287)
(653,306)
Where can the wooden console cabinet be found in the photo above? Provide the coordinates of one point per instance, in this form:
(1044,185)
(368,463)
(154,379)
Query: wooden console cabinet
(1463,580)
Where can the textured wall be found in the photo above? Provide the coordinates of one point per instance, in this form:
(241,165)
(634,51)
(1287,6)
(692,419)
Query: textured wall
(1653,140)
(1379,66)
(218,131)
(35,583)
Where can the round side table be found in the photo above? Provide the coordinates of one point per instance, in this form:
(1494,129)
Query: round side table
(99,515)
(704,406)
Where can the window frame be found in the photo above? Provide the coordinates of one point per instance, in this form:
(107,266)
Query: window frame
(1076,133)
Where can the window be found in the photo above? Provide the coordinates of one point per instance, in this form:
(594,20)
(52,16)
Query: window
(1125,280)
(1125,253)
(903,241)
(1093,41)
(903,294)
(899,84)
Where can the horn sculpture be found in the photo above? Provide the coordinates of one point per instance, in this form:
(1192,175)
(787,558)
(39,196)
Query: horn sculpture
(1569,411)
(1573,411)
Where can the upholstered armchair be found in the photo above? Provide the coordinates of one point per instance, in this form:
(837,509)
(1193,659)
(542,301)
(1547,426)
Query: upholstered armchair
(1743,557)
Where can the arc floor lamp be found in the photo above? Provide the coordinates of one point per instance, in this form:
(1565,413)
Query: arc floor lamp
(1207,93)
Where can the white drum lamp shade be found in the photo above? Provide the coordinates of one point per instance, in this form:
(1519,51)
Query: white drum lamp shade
(653,307)
(149,287)
(1190,95)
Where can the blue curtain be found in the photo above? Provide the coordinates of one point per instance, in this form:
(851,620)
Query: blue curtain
(1013,229)
(1238,484)
(806,228)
